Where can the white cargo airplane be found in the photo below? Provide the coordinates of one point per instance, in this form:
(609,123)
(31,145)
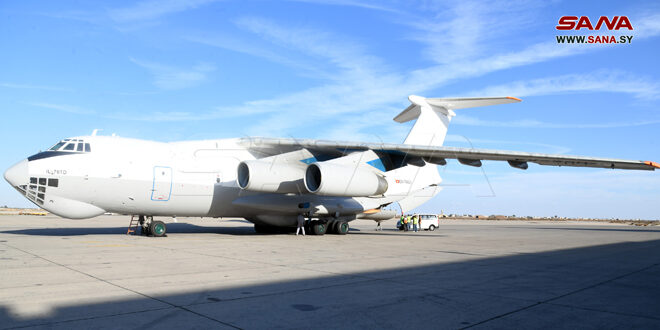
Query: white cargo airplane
(266,181)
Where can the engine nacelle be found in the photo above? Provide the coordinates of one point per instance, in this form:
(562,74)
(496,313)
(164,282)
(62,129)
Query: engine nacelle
(266,176)
(331,179)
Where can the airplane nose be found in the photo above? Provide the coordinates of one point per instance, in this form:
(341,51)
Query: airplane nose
(18,174)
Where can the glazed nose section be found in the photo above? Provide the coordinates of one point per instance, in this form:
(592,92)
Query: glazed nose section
(18,174)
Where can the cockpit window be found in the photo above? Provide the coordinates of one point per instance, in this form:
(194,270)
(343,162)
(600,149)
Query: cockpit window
(57,146)
(75,145)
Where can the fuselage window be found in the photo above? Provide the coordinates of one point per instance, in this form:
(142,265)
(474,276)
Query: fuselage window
(87,148)
(69,146)
(80,147)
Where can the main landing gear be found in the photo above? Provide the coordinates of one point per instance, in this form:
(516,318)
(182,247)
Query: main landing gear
(148,227)
(314,227)
(319,227)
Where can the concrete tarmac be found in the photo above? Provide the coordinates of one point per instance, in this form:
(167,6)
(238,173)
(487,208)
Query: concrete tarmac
(212,273)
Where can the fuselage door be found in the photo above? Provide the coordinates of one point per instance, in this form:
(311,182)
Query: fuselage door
(162,184)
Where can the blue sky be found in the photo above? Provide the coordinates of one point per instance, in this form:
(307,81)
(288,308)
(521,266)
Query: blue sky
(185,70)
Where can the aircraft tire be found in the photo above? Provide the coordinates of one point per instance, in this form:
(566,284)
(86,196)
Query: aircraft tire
(342,227)
(319,228)
(157,228)
(331,227)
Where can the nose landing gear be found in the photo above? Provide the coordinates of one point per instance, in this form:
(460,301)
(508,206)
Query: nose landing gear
(148,227)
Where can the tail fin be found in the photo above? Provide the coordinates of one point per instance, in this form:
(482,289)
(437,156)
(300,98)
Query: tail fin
(434,114)
(433,117)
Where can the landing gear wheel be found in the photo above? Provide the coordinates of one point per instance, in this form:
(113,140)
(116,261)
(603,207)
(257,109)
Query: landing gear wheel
(157,228)
(330,227)
(318,228)
(342,227)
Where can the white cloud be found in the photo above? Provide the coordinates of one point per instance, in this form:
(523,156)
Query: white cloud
(250,48)
(170,78)
(465,30)
(62,107)
(360,4)
(153,9)
(39,87)
(532,123)
(647,26)
(364,83)
(358,82)
(600,81)
(347,55)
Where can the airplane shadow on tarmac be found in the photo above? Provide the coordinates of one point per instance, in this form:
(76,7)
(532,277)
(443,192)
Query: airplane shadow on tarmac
(605,286)
(172,228)
(184,228)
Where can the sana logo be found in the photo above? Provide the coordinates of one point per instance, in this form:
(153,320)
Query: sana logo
(583,22)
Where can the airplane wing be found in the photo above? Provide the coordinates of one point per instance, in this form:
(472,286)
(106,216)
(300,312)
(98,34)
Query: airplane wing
(418,154)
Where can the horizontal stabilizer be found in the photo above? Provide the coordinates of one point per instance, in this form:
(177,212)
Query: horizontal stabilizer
(414,111)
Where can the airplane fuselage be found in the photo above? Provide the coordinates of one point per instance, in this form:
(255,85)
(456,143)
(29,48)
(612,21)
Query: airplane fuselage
(194,178)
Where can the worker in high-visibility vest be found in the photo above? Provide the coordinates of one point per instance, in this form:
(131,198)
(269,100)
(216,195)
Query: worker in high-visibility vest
(415,222)
(405,223)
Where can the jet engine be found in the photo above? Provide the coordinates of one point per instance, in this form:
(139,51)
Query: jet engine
(267,176)
(331,179)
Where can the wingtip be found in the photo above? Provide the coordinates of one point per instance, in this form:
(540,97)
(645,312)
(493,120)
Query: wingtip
(654,164)
(513,98)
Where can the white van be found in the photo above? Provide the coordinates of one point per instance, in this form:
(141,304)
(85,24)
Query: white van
(428,221)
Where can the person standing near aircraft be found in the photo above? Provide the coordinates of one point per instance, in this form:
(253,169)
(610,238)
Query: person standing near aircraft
(415,222)
(301,224)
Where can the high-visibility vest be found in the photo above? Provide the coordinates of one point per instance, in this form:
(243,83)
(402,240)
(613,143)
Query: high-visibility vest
(415,221)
